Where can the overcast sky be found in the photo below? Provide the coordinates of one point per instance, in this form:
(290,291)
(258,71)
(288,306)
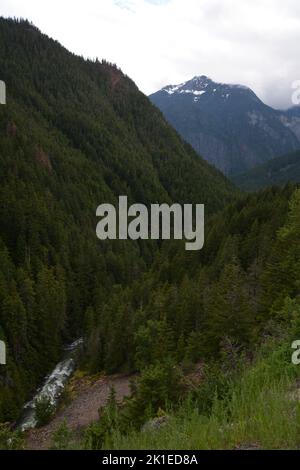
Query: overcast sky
(160,42)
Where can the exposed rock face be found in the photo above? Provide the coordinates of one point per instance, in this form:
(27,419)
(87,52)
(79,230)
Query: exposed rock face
(11,129)
(228,124)
(155,423)
(42,158)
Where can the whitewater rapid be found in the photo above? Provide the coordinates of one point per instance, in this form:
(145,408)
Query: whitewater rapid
(52,387)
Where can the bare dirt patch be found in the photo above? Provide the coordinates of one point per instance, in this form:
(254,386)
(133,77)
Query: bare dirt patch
(87,397)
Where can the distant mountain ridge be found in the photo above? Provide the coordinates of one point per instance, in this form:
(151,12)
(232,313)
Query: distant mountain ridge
(228,124)
(276,172)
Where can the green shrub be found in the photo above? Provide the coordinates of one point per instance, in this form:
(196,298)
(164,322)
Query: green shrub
(44,411)
(62,437)
(98,433)
(10,440)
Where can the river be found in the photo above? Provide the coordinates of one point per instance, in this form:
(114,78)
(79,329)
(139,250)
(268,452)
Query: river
(53,385)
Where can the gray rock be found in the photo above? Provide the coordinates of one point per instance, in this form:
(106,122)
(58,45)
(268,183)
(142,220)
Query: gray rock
(155,424)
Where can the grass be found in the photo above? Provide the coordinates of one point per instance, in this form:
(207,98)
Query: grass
(257,413)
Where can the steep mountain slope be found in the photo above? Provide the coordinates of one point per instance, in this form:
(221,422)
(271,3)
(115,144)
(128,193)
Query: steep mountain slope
(215,310)
(276,172)
(74,134)
(187,305)
(227,124)
(291,119)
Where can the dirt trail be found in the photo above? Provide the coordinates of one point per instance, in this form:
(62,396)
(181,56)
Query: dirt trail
(82,410)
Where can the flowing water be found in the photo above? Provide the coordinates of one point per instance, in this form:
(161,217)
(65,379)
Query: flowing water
(52,387)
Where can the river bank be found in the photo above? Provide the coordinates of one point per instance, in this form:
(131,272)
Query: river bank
(87,396)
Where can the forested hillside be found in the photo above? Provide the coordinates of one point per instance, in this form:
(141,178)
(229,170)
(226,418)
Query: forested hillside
(187,305)
(233,310)
(74,134)
(276,172)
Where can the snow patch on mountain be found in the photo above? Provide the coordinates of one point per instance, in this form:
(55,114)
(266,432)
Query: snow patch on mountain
(198,85)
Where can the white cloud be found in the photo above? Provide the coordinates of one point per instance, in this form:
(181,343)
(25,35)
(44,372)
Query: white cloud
(157,42)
